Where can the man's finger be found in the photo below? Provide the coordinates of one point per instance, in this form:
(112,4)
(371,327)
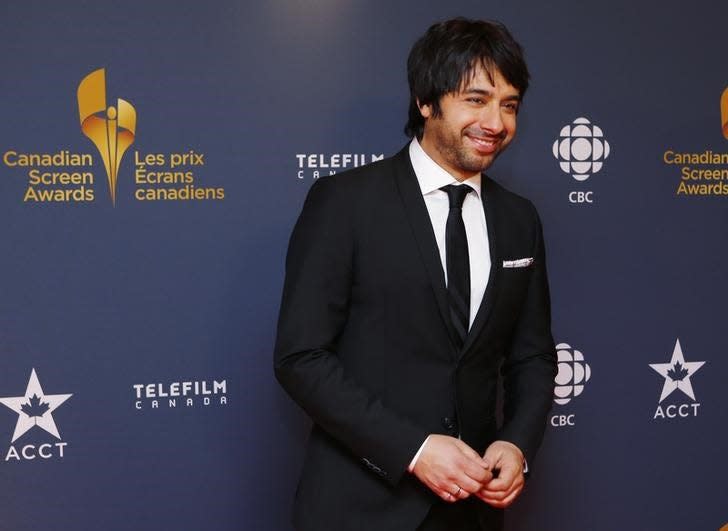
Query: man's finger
(477,472)
(441,492)
(460,493)
(467,450)
(510,468)
(461,480)
(506,477)
(494,495)
(445,495)
(500,493)
(501,501)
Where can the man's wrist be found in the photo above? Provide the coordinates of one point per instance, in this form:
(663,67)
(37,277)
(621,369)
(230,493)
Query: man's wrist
(412,464)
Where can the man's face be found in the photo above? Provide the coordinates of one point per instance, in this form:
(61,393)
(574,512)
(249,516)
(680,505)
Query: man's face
(474,126)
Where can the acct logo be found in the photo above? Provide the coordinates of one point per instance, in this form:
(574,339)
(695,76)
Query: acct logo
(573,374)
(66,176)
(35,410)
(677,374)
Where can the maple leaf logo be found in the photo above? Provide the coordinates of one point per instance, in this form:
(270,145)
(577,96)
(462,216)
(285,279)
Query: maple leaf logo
(678,372)
(34,407)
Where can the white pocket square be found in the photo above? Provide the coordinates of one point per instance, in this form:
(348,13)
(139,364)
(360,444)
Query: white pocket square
(522,262)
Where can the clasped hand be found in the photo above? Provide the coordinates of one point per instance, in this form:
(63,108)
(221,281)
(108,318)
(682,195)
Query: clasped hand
(454,471)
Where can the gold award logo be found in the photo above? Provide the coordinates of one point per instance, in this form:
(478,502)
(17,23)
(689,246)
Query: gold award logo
(702,173)
(65,176)
(724,112)
(113,133)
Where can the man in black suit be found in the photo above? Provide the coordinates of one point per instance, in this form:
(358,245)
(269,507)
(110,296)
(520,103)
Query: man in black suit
(410,284)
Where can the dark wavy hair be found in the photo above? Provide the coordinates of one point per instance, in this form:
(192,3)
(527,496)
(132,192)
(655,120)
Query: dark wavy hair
(446,57)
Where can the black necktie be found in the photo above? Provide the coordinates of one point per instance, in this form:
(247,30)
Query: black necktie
(458,263)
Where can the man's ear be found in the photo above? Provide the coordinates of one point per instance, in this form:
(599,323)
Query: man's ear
(425,110)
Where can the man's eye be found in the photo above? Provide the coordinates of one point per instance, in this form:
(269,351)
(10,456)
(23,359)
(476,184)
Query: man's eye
(513,107)
(475,100)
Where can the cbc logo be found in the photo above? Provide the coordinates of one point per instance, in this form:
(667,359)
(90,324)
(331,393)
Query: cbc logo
(558,421)
(581,197)
(574,372)
(581,150)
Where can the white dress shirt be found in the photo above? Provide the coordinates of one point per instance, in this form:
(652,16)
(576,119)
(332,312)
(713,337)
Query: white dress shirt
(431,177)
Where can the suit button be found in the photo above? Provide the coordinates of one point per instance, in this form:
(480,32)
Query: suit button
(450,425)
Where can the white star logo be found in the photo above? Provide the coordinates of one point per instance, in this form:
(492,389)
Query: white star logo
(677,373)
(35,408)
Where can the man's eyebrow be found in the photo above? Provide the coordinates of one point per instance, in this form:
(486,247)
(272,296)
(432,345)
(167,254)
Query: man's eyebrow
(484,92)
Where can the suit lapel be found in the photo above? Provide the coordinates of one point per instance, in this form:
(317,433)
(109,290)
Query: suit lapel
(495,224)
(419,219)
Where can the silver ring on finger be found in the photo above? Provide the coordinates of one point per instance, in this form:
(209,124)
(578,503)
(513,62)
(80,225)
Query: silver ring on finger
(457,493)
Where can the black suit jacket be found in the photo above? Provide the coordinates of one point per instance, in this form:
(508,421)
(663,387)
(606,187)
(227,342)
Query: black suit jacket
(365,344)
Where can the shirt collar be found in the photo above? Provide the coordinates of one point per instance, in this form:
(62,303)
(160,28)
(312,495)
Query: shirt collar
(430,175)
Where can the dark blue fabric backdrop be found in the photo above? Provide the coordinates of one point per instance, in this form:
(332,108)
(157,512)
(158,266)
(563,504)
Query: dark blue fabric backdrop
(96,298)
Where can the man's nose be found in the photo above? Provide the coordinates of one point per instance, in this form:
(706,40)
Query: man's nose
(491,119)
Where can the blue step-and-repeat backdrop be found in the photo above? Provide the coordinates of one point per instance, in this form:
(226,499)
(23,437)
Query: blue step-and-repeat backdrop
(155,156)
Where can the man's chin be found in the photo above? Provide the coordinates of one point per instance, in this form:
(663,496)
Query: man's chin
(479,164)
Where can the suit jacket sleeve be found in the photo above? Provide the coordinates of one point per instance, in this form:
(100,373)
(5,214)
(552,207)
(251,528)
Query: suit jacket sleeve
(320,270)
(530,366)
